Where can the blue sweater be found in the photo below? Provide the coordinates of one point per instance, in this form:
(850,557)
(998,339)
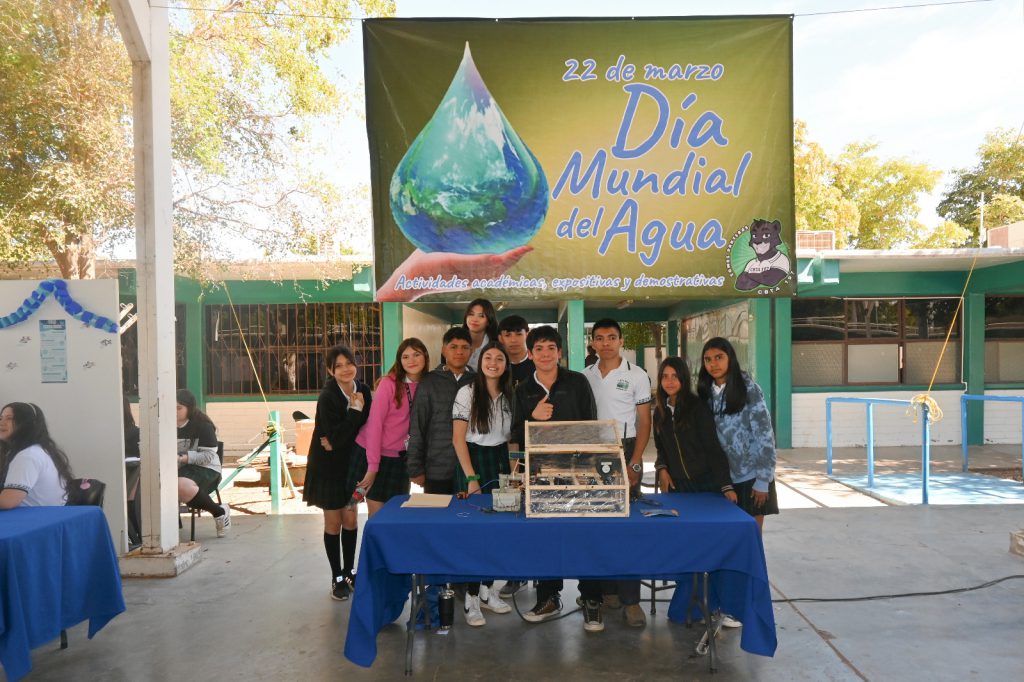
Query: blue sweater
(747,437)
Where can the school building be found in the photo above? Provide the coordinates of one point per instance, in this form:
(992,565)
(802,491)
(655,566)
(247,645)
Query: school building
(864,323)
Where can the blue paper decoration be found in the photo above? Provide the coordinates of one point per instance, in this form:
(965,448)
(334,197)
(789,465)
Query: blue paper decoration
(59,289)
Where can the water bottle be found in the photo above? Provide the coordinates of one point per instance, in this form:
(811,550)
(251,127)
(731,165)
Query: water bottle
(358,495)
(446,607)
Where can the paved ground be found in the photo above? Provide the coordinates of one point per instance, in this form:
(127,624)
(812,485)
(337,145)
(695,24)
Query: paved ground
(256,607)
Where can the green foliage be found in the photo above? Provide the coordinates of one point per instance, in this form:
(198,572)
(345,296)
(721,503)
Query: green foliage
(999,171)
(66,170)
(870,202)
(1003,209)
(247,88)
(820,205)
(948,235)
(885,192)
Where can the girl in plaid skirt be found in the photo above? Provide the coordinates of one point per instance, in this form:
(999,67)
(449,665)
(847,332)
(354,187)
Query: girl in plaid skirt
(481,425)
(378,461)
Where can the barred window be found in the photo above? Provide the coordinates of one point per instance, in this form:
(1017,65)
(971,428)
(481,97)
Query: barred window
(130,354)
(1004,339)
(286,345)
(895,341)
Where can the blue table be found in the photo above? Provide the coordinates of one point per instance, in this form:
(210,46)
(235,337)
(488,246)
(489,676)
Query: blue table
(461,543)
(57,568)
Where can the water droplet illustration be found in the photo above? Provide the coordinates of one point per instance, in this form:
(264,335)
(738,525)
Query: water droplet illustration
(468,183)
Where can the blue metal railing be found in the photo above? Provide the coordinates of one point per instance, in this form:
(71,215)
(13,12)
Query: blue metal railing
(870,403)
(995,399)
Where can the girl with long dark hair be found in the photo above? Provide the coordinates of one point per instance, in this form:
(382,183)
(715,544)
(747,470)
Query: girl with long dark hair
(744,427)
(481,321)
(378,459)
(481,425)
(341,411)
(199,466)
(690,459)
(33,470)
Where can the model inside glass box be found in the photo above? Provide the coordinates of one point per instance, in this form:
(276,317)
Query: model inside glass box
(575,468)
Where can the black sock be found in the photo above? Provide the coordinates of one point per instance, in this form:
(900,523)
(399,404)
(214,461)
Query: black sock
(332,543)
(202,501)
(348,548)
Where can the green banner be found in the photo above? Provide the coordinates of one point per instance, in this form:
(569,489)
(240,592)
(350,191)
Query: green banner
(602,159)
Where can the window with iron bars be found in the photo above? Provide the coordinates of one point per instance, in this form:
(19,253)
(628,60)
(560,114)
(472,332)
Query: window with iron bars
(286,345)
(130,354)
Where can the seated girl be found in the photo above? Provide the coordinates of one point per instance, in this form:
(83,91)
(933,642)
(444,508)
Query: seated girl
(199,466)
(37,470)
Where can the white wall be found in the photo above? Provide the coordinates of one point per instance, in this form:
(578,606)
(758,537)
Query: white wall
(892,424)
(1002,420)
(240,425)
(425,327)
(84,414)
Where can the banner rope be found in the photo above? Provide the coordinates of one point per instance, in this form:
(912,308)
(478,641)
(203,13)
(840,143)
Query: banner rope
(934,411)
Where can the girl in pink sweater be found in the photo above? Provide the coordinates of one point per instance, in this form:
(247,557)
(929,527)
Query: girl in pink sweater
(378,463)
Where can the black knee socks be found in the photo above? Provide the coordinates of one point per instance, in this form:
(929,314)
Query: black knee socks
(332,543)
(348,548)
(203,501)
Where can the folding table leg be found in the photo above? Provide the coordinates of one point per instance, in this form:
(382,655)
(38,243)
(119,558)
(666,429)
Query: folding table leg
(711,626)
(417,601)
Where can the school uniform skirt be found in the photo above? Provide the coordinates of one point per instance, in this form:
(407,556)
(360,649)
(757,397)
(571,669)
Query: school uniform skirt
(488,461)
(392,476)
(745,498)
(327,476)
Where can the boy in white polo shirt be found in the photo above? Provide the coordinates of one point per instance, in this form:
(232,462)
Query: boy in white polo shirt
(623,393)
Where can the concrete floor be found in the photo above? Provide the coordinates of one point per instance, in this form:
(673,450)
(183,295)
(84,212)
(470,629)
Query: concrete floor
(257,608)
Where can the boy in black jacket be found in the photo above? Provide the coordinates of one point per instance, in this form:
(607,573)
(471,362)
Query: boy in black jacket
(555,394)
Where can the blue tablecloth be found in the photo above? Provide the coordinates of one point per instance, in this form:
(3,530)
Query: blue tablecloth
(57,568)
(461,542)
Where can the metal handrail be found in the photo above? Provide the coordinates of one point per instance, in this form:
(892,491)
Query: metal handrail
(870,403)
(995,399)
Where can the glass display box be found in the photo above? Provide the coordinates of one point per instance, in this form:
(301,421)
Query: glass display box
(575,468)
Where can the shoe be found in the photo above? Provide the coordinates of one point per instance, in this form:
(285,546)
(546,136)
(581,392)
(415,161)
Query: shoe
(634,616)
(543,610)
(492,602)
(592,616)
(472,611)
(611,601)
(730,622)
(341,589)
(350,577)
(511,587)
(223,522)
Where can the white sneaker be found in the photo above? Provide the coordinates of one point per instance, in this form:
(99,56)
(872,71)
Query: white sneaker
(472,611)
(223,522)
(492,602)
(730,622)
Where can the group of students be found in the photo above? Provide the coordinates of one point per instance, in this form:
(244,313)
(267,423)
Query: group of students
(450,430)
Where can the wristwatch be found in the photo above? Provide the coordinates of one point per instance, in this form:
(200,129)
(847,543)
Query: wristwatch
(638,468)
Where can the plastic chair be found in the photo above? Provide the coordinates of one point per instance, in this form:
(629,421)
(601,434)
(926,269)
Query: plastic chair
(215,490)
(83,492)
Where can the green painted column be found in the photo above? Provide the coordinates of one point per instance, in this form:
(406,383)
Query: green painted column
(783,352)
(759,348)
(576,335)
(195,355)
(391,333)
(974,365)
(672,343)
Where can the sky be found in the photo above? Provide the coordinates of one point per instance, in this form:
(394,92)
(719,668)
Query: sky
(924,82)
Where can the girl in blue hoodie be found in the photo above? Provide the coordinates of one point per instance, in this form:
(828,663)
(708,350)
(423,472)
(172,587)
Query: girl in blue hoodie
(744,427)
